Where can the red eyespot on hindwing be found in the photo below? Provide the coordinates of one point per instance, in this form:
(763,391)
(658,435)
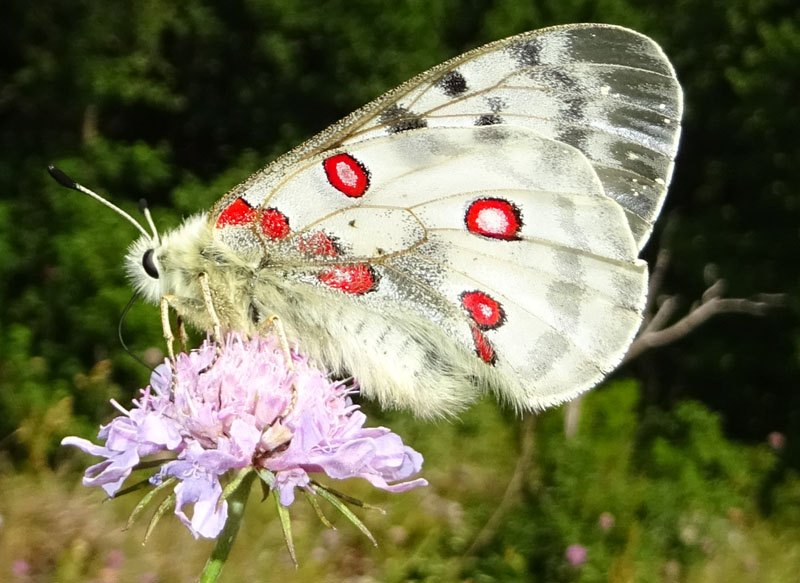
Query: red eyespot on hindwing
(351,279)
(235,214)
(494,217)
(485,311)
(483,347)
(274,224)
(346,174)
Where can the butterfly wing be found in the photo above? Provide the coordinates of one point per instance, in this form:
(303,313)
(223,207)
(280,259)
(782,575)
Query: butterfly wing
(608,91)
(502,196)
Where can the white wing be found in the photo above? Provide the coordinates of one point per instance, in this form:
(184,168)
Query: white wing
(503,196)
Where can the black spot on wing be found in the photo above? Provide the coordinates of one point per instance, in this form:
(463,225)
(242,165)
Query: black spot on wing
(560,79)
(574,136)
(526,53)
(573,109)
(400,119)
(496,104)
(452,84)
(488,119)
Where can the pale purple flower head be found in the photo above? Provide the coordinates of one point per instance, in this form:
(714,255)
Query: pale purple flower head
(576,555)
(240,413)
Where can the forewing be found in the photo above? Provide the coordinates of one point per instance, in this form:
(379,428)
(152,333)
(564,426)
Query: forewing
(608,91)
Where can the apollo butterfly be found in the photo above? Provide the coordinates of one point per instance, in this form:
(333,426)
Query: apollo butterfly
(476,229)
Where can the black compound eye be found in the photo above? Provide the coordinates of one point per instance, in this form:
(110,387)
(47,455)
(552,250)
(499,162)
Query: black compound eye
(149,265)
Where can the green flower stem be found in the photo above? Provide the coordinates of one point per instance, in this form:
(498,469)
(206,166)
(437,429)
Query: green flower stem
(236,504)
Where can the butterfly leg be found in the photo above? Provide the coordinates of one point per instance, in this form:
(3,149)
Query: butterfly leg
(212,313)
(183,338)
(169,339)
(166,328)
(275,322)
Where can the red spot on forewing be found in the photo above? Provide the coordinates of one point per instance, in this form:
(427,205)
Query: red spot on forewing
(494,217)
(318,244)
(236,213)
(351,279)
(346,174)
(274,224)
(483,347)
(484,310)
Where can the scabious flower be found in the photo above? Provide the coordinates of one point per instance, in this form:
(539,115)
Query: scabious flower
(243,407)
(576,555)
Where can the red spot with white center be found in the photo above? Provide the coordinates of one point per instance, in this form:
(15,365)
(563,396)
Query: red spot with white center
(484,310)
(347,175)
(236,214)
(494,217)
(274,224)
(483,347)
(351,279)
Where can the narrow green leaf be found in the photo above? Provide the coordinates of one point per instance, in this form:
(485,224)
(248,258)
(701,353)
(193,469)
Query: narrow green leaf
(168,503)
(147,498)
(267,479)
(349,499)
(312,499)
(233,484)
(286,525)
(266,475)
(341,507)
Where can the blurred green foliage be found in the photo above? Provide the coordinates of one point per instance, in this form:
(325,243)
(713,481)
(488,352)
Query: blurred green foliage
(179,101)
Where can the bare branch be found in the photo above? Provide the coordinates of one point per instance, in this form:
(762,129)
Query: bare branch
(662,316)
(656,281)
(710,305)
(715,290)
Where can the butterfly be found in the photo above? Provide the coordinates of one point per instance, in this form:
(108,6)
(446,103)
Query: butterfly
(476,229)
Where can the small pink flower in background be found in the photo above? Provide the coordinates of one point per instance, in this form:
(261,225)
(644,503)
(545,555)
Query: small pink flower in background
(606,521)
(20,568)
(776,440)
(239,414)
(115,559)
(576,555)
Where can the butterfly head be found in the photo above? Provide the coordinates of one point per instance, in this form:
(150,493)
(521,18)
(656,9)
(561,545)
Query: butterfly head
(158,266)
(151,258)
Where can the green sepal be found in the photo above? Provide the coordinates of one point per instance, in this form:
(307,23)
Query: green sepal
(232,485)
(167,504)
(312,499)
(341,507)
(286,525)
(147,498)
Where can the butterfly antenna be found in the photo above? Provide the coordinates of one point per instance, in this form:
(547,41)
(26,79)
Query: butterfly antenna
(125,310)
(61,177)
(145,210)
